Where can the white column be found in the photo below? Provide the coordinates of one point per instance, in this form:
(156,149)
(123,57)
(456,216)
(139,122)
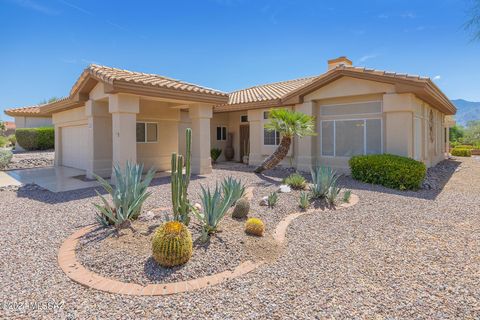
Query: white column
(305,146)
(124,109)
(200,115)
(58,146)
(99,137)
(255,118)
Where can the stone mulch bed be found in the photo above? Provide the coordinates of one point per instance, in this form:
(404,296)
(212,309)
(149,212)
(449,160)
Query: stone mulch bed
(31,159)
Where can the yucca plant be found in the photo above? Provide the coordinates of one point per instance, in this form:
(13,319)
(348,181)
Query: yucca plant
(272,199)
(215,154)
(215,206)
(304,201)
(289,124)
(234,187)
(128,194)
(322,178)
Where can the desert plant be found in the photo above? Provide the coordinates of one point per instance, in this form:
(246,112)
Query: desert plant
(179,183)
(3,141)
(296,181)
(242,207)
(5,158)
(346,196)
(12,139)
(323,178)
(272,199)
(333,193)
(36,138)
(289,124)
(215,154)
(304,201)
(461,152)
(215,206)
(172,244)
(128,195)
(234,187)
(389,170)
(255,226)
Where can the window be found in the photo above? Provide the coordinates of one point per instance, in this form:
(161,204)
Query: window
(351,108)
(221,133)
(270,138)
(265,115)
(243,119)
(346,138)
(147,132)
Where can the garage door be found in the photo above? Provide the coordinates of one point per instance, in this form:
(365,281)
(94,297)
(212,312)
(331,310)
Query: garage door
(74,147)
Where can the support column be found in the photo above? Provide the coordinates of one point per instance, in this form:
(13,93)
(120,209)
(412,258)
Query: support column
(305,146)
(99,137)
(124,109)
(255,118)
(58,146)
(200,115)
(399,110)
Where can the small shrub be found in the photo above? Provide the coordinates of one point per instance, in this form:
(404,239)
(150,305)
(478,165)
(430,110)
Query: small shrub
(323,178)
(346,196)
(463,146)
(461,152)
(333,193)
(12,139)
(5,158)
(295,181)
(242,207)
(36,138)
(389,170)
(3,141)
(128,195)
(272,199)
(304,201)
(172,244)
(215,154)
(254,226)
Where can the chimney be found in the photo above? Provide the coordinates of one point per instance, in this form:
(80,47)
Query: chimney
(340,61)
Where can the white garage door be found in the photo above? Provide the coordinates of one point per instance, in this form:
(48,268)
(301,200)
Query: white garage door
(74,147)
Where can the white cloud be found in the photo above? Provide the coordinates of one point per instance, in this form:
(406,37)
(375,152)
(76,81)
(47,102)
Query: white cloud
(408,15)
(383,16)
(437,77)
(32,5)
(368,57)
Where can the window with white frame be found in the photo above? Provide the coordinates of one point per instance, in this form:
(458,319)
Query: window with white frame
(346,138)
(270,137)
(147,132)
(221,133)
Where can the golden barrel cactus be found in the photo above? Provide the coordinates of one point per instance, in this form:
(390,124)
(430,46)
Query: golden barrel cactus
(172,244)
(254,226)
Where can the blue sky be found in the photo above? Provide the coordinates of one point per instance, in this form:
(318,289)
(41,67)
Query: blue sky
(230,44)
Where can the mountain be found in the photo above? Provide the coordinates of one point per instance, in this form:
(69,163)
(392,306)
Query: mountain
(466,110)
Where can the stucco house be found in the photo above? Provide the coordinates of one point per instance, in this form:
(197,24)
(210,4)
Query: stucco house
(113,115)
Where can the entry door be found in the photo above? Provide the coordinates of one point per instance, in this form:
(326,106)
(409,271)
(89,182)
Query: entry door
(244,140)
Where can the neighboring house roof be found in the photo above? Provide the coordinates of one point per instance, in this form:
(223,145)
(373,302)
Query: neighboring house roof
(292,92)
(9,125)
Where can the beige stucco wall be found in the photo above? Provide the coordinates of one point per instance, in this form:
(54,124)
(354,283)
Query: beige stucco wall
(33,122)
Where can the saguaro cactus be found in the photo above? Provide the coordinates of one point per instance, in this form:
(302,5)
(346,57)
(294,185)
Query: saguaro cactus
(181,204)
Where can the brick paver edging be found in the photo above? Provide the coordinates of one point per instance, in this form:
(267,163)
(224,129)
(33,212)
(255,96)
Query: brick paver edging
(75,271)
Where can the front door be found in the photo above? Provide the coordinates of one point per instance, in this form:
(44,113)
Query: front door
(244,141)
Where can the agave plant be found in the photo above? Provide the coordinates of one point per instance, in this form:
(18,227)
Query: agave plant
(304,201)
(234,187)
(323,178)
(272,199)
(333,193)
(128,195)
(346,196)
(215,206)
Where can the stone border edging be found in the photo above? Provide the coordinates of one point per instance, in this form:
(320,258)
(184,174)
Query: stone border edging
(75,271)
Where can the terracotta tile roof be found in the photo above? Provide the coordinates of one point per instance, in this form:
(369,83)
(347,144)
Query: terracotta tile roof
(10,125)
(267,92)
(23,111)
(111,75)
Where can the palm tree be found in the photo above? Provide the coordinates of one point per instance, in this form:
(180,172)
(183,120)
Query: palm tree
(289,124)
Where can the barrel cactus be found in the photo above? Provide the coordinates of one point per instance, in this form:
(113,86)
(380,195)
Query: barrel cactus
(172,244)
(242,207)
(255,226)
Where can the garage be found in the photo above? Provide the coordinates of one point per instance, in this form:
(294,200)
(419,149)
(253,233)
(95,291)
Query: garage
(74,147)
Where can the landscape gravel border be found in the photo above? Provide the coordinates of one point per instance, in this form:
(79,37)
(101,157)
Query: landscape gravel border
(75,271)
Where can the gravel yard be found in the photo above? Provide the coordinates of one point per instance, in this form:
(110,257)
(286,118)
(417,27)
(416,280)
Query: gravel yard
(31,159)
(393,255)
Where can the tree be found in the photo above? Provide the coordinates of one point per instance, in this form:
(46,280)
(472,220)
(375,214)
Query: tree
(52,99)
(456,133)
(288,124)
(2,126)
(473,23)
(472,132)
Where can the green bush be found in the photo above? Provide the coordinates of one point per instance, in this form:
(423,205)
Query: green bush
(388,170)
(12,139)
(461,152)
(36,138)
(3,141)
(463,146)
(295,181)
(5,157)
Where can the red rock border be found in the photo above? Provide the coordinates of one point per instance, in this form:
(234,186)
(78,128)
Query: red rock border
(75,271)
